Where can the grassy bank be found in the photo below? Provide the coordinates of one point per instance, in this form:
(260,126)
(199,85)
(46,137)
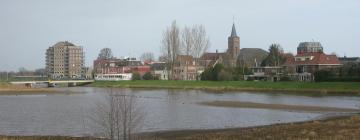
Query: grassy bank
(3,84)
(8,89)
(336,128)
(322,87)
(45,138)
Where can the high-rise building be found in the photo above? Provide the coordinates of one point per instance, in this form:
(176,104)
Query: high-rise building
(65,60)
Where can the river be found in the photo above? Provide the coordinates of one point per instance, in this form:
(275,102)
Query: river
(67,113)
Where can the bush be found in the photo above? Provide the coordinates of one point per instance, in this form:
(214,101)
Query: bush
(136,76)
(211,73)
(224,76)
(206,75)
(148,76)
(322,75)
(342,79)
(219,73)
(285,78)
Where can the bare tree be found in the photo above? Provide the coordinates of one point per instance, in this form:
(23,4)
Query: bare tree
(171,46)
(187,45)
(118,117)
(105,53)
(147,56)
(187,41)
(201,43)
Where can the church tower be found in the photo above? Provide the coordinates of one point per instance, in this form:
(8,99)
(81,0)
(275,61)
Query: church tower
(233,47)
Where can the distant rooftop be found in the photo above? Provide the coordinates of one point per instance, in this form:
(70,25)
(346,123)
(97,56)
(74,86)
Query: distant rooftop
(310,47)
(64,43)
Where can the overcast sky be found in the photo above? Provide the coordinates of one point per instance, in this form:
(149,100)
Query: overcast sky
(131,27)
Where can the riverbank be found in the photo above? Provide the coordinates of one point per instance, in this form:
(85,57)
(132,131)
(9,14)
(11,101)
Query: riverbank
(300,108)
(334,88)
(339,128)
(45,138)
(8,89)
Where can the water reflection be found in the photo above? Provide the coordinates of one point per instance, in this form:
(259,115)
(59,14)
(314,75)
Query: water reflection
(166,109)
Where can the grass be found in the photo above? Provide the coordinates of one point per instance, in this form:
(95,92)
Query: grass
(320,87)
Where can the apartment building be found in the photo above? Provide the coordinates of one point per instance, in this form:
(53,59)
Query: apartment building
(65,60)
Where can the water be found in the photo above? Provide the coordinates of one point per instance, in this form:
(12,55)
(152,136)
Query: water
(68,113)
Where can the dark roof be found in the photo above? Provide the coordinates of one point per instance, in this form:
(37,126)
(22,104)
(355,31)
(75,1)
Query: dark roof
(211,56)
(64,43)
(233,31)
(249,55)
(158,66)
(349,58)
(318,59)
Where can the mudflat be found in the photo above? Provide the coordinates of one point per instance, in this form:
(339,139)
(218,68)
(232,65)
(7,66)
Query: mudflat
(19,90)
(239,104)
(334,128)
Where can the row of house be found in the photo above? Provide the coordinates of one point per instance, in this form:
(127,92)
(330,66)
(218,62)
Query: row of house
(118,69)
(65,59)
(309,59)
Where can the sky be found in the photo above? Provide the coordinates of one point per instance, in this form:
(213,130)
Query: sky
(132,27)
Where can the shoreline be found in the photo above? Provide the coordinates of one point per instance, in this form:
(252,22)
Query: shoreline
(284,107)
(340,126)
(303,130)
(26,91)
(8,89)
(289,87)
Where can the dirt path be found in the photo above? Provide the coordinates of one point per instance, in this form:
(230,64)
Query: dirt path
(239,104)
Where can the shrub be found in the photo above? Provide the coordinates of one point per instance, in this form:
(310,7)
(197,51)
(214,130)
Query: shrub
(136,76)
(285,78)
(211,73)
(322,75)
(148,76)
(224,76)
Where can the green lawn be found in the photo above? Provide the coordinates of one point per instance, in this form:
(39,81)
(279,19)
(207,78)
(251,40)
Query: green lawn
(323,87)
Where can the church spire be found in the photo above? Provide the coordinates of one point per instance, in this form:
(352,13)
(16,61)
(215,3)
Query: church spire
(233,31)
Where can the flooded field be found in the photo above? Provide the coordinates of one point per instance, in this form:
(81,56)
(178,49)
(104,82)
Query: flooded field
(68,113)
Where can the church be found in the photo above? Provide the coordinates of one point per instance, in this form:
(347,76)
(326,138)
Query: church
(234,56)
(228,58)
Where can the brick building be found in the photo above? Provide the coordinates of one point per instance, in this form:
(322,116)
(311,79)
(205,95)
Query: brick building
(309,59)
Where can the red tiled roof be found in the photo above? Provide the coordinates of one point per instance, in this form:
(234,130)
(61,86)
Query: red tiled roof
(318,59)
